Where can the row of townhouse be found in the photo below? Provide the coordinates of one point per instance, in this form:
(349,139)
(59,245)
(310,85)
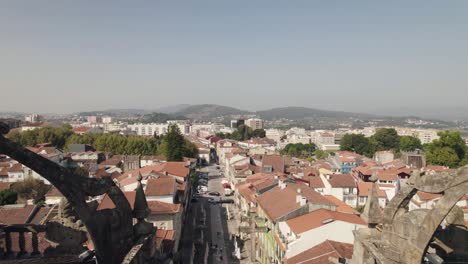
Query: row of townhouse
(280,199)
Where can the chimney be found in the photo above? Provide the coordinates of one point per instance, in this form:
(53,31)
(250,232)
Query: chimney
(298,195)
(281,184)
(303,201)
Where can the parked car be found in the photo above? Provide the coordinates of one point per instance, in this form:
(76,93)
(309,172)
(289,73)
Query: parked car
(194,200)
(230,201)
(202,189)
(214,200)
(214,193)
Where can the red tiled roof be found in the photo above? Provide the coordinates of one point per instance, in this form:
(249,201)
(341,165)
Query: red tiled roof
(115,175)
(315,219)
(164,240)
(364,188)
(16,168)
(316,182)
(81,129)
(424,196)
(277,202)
(435,168)
(4,172)
(101,173)
(54,192)
(275,161)
(246,192)
(15,214)
(4,186)
(342,181)
(387,176)
(160,186)
(157,207)
(107,203)
(322,252)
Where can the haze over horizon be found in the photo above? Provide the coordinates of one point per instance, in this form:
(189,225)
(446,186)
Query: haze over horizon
(390,58)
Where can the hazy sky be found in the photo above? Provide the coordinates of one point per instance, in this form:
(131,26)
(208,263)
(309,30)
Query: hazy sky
(371,56)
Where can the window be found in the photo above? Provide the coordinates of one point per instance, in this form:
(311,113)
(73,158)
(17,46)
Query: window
(362,199)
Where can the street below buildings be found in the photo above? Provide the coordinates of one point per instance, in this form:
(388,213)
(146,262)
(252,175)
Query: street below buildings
(206,237)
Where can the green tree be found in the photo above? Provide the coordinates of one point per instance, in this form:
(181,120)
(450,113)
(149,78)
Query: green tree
(320,154)
(30,188)
(8,196)
(173,144)
(258,133)
(409,143)
(387,139)
(358,143)
(444,156)
(299,150)
(449,150)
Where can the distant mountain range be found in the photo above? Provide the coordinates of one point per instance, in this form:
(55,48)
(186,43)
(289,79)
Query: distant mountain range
(294,115)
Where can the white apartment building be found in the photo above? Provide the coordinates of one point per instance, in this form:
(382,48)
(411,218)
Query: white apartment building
(151,129)
(32,118)
(274,134)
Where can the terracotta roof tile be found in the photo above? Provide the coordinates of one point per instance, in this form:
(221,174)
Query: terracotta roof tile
(275,161)
(164,240)
(341,181)
(277,202)
(107,203)
(424,196)
(157,207)
(16,168)
(4,186)
(160,186)
(315,219)
(364,188)
(322,252)
(54,192)
(16,214)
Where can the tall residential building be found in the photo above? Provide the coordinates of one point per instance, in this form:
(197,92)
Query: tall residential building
(254,123)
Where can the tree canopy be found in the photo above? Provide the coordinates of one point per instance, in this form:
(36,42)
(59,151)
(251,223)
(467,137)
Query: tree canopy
(357,143)
(449,150)
(174,146)
(57,136)
(113,143)
(299,150)
(8,196)
(30,188)
(386,139)
(409,143)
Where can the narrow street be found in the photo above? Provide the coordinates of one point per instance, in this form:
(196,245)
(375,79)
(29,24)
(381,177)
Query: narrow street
(206,238)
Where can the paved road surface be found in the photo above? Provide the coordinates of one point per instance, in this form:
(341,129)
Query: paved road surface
(208,227)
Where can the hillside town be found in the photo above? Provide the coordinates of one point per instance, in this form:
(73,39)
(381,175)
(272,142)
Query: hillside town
(273,196)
